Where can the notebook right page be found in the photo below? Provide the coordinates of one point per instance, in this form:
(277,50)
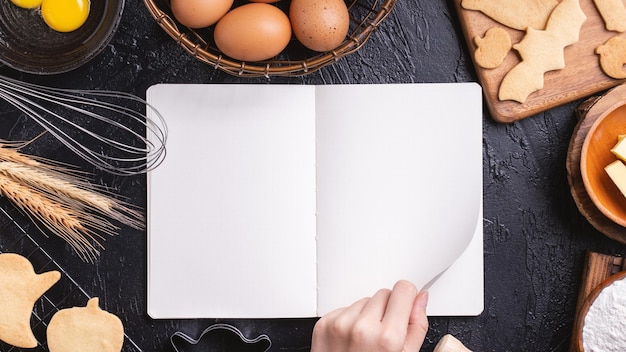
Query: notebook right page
(399,185)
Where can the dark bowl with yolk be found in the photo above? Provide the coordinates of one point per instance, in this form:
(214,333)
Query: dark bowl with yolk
(29,45)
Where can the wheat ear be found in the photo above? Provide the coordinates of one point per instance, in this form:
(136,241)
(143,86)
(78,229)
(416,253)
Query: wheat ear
(54,195)
(69,189)
(9,152)
(59,219)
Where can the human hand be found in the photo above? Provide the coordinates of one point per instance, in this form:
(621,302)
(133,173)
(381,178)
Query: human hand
(390,321)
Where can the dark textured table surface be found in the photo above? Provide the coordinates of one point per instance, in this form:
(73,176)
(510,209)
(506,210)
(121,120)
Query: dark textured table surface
(534,237)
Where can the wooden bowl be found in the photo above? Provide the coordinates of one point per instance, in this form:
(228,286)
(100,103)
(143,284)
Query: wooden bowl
(596,155)
(580,319)
(588,113)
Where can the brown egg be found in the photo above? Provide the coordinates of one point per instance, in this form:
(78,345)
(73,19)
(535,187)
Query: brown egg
(253,32)
(200,13)
(320,25)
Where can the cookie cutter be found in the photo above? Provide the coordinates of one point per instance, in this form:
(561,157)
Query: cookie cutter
(211,337)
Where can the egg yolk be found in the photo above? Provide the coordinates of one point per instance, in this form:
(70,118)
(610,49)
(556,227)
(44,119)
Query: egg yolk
(27,4)
(65,15)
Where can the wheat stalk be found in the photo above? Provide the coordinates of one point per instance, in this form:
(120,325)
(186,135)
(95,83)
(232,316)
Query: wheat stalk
(66,204)
(73,191)
(9,152)
(54,216)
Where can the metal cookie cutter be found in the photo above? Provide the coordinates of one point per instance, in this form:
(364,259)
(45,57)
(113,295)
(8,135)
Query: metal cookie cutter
(219,337)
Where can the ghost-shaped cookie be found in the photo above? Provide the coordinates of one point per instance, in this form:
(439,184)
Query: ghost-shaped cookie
(20,288)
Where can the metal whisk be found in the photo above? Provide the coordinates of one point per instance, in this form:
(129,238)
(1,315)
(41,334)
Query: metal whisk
(108,129)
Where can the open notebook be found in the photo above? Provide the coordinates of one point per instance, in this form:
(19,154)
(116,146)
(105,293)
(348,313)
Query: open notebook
(280,201)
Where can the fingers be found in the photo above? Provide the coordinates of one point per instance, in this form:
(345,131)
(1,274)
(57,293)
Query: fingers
(375,308)
(394,327)
(391,320)
(344,321)
(351,311)
(400,303)
(340,321)
(418,323)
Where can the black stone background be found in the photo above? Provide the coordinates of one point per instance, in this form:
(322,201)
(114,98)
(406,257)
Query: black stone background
(534,237)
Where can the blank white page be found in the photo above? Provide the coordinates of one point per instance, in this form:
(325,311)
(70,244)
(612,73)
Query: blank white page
(399,186)
(232,210)
(231,229)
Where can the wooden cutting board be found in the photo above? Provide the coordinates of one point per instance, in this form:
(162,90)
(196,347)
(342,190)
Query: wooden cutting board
(581,77)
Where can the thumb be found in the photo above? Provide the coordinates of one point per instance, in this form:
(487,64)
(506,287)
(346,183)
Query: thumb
(418,324)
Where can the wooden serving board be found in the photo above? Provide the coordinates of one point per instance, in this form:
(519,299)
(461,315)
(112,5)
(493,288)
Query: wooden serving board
(581,77)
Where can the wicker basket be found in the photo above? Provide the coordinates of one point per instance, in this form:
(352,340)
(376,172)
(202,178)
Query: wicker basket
(295,60)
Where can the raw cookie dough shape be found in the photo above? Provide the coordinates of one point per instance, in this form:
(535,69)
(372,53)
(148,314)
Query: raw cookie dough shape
(492,48)
(542,51)
(20,288)
(613,57)
(85,329)
(517,14)
(613,13)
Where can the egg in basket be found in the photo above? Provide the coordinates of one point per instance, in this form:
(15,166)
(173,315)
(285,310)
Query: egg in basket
(269,37)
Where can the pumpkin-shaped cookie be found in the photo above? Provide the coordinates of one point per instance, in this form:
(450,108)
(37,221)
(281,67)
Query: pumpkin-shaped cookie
(85,329)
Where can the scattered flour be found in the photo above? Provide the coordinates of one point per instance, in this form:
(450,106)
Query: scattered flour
(604,329)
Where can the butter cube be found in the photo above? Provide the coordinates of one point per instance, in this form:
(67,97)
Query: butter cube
(620,148)
(617,173)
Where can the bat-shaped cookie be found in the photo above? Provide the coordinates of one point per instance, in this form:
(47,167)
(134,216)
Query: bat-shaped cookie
(517,14)
(542,51)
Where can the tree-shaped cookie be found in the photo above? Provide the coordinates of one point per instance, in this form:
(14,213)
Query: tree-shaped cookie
(20,288)
(85,329)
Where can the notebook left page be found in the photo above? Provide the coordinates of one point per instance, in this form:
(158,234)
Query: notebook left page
(231,220)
